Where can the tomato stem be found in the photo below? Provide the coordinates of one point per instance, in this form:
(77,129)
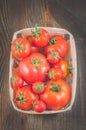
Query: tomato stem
(70,68)
(51,74)
(21,97)
(40,87)
(35,62)
(52,41)
(13,79)
(37,31)
(55,55)
(55,88)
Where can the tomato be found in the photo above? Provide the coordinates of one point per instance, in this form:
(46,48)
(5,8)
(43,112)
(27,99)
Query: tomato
(59,44)
(24,97)
(16,82)
(34,68)
(38,87)
(40,37)
(39,106)
(33,47)
(52,55)
(20,48)
(55,73)
(57,94)
(63,65)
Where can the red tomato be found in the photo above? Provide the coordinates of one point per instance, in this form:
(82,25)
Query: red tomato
(16,82)
(33,47)
(57,94)
(55,74)
(24,97)
(59,44)
(40,37)
(20,48)
(63,65)
(39,106)
(52,55)
(38,87)
(34,68)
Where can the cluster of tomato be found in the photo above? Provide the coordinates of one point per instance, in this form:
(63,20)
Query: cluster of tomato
(39,71)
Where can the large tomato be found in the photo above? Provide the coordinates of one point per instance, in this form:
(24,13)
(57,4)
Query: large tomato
(59,44)
(40,37)
(20,48)
(57,94)
(24,97)
(34,68)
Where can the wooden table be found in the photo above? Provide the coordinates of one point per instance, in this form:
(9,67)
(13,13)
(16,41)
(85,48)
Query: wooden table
(18,14)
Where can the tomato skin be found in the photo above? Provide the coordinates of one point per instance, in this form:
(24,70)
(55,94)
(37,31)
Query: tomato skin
(63,65)
(56,99)
(16,82)
(52,55)
(41,39)
(55,74)
(38,87)
(34,68)
(39,106)
(33,47)
(58,44)
(20,48)
(28,97)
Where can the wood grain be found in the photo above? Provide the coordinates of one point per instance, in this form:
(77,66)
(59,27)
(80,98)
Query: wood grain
(18,14)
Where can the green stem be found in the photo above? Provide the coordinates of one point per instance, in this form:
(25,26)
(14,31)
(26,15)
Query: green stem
(55,88)
(37,31)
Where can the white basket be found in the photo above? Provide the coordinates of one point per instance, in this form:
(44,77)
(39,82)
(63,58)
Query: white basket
(60,31)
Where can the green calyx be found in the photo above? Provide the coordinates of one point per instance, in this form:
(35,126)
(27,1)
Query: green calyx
(21,97)
(18,47)
(51,74)
(13,79)
(70,68)
(37,31)
(55,88)
(35,62)
(55,55)
(52,41)
(39,87)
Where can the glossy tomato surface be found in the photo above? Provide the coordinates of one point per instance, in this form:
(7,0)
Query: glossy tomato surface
(20,48)
(40,37)
(57,94)
(24,97)
(34,68)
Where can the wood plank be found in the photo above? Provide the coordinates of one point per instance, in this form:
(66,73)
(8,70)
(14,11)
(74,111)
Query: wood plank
(18,14)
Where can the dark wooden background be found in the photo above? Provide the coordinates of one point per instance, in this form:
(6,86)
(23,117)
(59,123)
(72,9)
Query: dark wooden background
(18,14)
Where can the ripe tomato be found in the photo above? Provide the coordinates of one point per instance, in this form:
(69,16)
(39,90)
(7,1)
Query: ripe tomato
(57,94)
(38,87)
(33,47)
(39,106)
(24,97)
(63,65)
(52,55)
(40,37)
(16,82)
(34,68)
(20,48)
(59,44)
(55,74)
